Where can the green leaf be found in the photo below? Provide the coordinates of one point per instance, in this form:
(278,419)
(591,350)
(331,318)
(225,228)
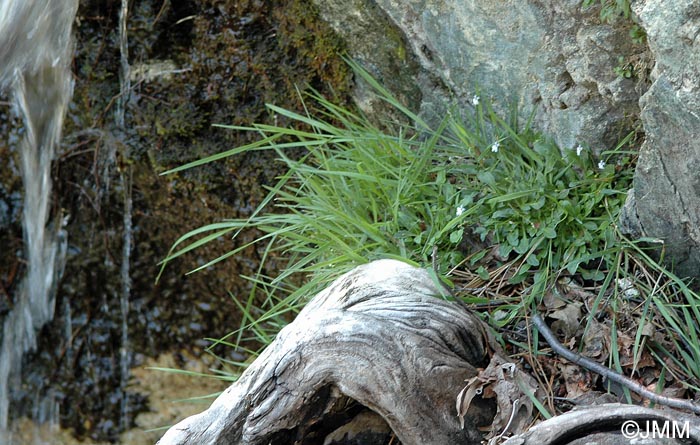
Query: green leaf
(511,196)
(549,233)
(483,273)
(594,275)
(539,203)
(512,238)
(523,246)
(504,250)
(518,278)
(486,177)
(532,260)
(503,213)
(572,266)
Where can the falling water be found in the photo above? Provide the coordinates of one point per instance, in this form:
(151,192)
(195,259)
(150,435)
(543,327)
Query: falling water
(125,363)
(125,179)
(35,55)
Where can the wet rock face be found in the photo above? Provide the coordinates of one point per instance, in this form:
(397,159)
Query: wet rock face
(195,63)
(551,56)
(10,215)
(666,202)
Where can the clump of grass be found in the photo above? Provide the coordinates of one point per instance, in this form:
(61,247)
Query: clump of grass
(358,194)
(472,186)
(657,308)
(553,208)
(362,193)
(546,211)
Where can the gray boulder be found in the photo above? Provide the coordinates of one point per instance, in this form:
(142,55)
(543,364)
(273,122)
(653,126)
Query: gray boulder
(550,56)
(666,199)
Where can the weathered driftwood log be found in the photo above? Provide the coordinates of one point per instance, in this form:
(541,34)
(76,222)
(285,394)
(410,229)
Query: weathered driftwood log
(613,424)
(377,339)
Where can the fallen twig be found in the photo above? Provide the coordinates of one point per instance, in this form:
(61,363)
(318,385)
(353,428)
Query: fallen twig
(609,373)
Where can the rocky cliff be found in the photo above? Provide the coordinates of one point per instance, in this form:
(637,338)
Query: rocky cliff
(590,81)
(665,203)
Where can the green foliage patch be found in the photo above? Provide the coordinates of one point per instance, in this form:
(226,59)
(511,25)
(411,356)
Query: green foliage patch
(473,184)
(407,190)
(610,10)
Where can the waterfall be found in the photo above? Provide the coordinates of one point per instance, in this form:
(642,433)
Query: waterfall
(36,51)
(125,178)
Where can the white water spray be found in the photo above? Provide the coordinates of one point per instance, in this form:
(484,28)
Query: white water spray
(35,54)
(125,179)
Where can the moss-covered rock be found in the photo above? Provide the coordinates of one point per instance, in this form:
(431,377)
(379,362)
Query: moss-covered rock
(195,63)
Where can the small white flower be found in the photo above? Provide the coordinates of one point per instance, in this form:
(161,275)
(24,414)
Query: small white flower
(601,165)
(475,100)
(579,149)
(495,146)
(460,210)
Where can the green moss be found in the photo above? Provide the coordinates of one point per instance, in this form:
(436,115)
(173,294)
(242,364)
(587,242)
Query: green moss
(241,56)
(303,36)
(233,57)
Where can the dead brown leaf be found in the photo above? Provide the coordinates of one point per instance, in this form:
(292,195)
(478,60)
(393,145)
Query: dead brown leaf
(625,347)
(596,341)
(553,299)
(574,292)
(568,319)
(475,387)
(676,390)
(577,380)
(503,380)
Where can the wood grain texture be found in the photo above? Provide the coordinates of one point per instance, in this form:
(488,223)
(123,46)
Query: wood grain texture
(377,337)
(604,424)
